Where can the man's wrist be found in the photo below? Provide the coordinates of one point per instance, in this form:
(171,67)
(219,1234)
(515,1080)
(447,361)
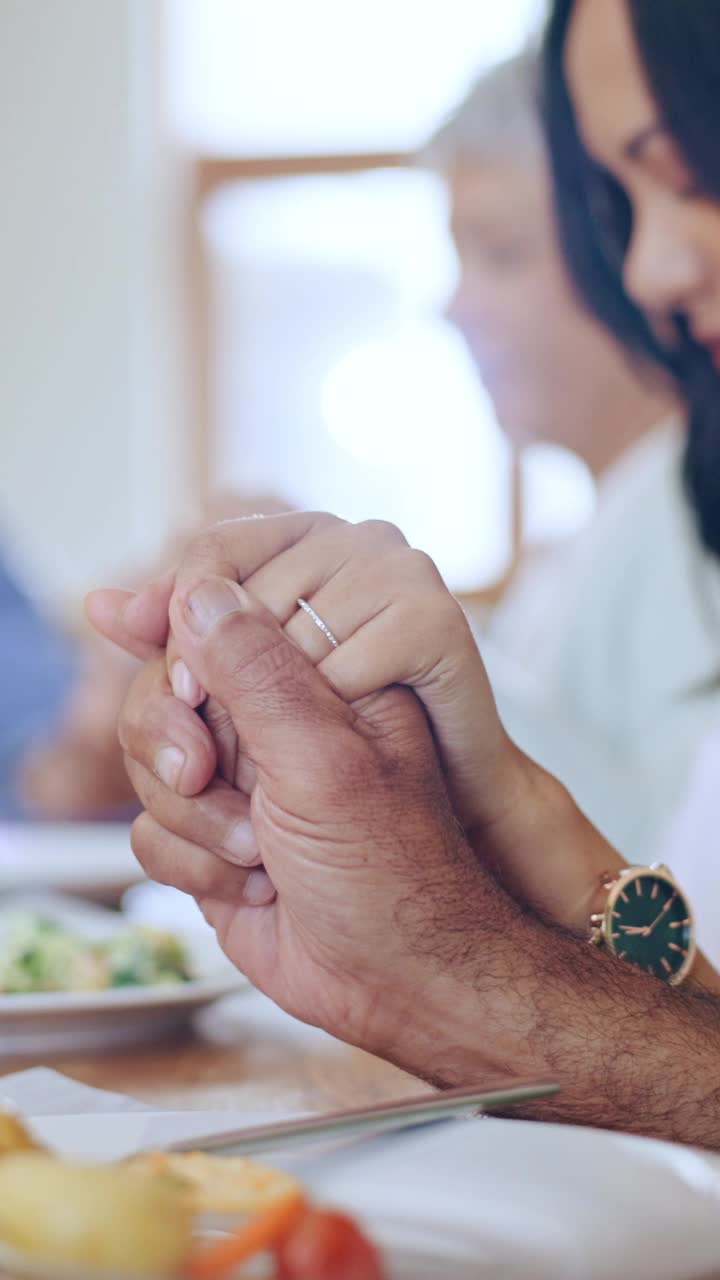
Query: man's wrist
(627,1051)
(451,1034)
(468,961)
(630,1052)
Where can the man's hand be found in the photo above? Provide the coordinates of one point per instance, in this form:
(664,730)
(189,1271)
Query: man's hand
(377,923)
(370,905)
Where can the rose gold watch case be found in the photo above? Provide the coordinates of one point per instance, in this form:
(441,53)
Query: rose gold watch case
(615,884)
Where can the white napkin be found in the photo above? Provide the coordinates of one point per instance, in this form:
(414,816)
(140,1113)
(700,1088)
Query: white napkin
(43,1092)
(83,1123)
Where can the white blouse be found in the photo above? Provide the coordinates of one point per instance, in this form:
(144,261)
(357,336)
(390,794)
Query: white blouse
(606,660)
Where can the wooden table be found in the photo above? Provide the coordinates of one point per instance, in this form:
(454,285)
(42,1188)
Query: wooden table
(245,1055)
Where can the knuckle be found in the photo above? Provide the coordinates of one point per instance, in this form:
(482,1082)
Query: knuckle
(445,628)
(422,568)
(209,545)
(450,619)
(139,740)
(383,533)
(422,598)
(325,520)
(141,839)
(146,785)
(425,598)
(160,852)
(130,717)
(207,873)
(124,728)
(143,703)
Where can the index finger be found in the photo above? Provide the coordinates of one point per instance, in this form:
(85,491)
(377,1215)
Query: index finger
(237,548)
(234,549)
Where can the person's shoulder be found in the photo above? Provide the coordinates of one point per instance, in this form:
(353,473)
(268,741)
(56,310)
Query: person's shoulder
(651,467)
(642,504)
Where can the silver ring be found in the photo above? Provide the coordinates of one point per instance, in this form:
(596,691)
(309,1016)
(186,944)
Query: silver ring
(318,622)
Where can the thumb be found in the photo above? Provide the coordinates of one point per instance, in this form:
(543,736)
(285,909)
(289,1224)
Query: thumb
(135,621)
(284,711)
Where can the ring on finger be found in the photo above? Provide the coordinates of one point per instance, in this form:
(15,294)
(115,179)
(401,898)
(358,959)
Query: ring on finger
(318,622)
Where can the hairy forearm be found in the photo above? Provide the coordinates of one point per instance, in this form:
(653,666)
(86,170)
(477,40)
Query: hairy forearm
(627,1051)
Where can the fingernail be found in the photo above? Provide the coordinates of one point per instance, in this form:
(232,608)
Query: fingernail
(169,764)
(185,686)
(259,889)
(211,602)
(240,843)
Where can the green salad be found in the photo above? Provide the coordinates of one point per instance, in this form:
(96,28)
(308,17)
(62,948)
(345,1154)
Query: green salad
(40,954)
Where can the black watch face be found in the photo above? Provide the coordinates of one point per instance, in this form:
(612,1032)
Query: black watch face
(651,926)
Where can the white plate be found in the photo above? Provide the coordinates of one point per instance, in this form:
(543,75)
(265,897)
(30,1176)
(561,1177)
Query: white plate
(90,860)
(485,1199)
(83,1021)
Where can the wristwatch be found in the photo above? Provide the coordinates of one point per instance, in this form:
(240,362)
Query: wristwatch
(646,920)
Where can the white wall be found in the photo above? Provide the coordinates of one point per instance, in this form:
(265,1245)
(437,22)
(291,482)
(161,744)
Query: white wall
(93,454)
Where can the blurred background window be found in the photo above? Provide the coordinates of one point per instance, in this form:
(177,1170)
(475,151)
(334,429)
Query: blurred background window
(221,268)
(335,381)
(308,77)
(323,264)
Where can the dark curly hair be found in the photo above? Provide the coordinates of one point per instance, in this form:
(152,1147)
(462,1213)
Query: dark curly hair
(679,45)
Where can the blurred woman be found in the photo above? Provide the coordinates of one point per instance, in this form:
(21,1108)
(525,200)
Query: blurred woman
(589,653)
(632,110)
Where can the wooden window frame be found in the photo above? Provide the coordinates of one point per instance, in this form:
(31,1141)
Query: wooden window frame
(209,174)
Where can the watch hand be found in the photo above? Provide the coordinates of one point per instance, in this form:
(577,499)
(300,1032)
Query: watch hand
(633,929)
(665,909)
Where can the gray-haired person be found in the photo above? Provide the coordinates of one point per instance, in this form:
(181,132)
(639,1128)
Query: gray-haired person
(553,372)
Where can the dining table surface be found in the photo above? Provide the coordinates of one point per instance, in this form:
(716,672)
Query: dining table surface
(242,1055)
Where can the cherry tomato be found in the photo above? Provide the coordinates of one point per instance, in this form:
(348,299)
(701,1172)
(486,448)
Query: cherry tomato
(328,1246)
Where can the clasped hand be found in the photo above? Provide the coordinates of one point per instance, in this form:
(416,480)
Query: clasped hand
(333,826)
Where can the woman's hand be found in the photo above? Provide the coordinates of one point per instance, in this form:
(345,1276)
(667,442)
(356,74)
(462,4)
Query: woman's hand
(394,619)
(395,623)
